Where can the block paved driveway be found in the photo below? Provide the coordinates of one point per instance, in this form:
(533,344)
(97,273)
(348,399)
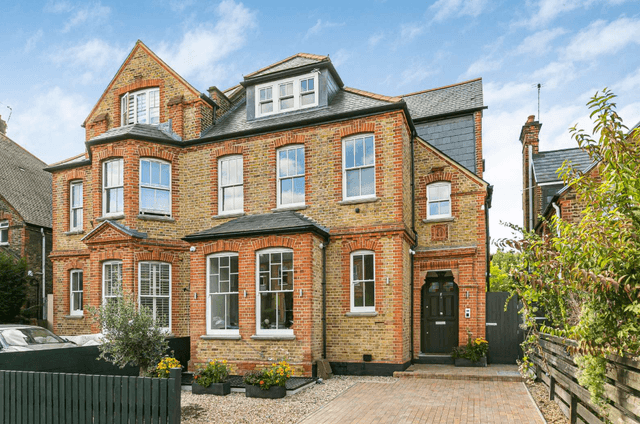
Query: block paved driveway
(430,401)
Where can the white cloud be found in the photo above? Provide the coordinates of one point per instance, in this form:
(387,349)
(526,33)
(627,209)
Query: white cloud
(410,31)
(600,38)
(554,74)
(340,57)
(548,10)
(511,90)
(319,27)
(33,40)
(482,66)
(375,39)
(200,52)
(180,5)
(95,13)
(539,42)
(94,58)
(444,9)
(49,124)
(58,7)
(629,83)
(416,73)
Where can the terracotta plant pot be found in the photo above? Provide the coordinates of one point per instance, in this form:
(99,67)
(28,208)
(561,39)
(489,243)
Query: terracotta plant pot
(463,362)
(218,389)
(274,392)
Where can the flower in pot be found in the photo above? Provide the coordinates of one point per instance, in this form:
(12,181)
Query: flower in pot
(474,354)
(212,379)
(164,367)
(268,383)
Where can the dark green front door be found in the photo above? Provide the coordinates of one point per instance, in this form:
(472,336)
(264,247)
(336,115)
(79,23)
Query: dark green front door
(439,313)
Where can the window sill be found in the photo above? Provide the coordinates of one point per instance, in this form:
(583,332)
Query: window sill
(73,232)
(74,316)
(145,217)
(446,219)
(273,337)
(289,208)
(221,337)
(356,201)
(229,215)
(361,314)
(110,217)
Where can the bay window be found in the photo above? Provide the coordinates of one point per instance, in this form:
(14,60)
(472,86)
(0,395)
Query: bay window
(154,291)
(113,188)
(155,187)
(222,293)
(76,206)
(274,311)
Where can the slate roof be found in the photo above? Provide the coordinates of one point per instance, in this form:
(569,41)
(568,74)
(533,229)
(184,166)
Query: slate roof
(128,231)
(291,62)
(452,98)
(236,119)
(546,164)
(268,223)
(135,130)
(25,184)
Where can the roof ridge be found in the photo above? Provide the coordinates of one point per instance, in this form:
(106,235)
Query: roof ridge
(562,150)
(67,159)
(393,99)
(306,55)
(441,88)
(28,152)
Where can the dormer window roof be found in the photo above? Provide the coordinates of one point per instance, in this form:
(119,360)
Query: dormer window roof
(286,95)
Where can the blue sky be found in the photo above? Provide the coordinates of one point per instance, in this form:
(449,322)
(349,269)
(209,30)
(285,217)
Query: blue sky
(58,57)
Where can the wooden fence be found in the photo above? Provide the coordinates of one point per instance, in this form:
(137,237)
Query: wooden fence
(55,398)
(555,367)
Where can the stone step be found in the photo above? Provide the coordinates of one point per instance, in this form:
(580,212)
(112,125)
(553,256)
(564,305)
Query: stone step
(450,372)
(434,358)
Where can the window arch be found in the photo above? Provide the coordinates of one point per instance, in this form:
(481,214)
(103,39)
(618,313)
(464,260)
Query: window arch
(362,271)
(222,293)
(439,200)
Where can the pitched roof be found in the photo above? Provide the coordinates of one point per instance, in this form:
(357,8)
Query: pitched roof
(294,61)
(268,223)
(135,130)
(344,101)
(546,164)
(122,228)
(25,184)
(443,100)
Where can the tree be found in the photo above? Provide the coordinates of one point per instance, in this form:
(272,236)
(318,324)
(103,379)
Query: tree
(501,264)
(586,275)
(13,286)
(130,334)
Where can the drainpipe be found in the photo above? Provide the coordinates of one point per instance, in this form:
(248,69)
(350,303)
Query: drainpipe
(487,206)
(557,208)
(530,188)
(44,280)
(323,246)
(412,251)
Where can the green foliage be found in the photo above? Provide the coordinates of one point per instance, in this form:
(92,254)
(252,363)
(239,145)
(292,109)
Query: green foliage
(593,371)
(216,371)
(473,351)
(501,264)
(586,275)
(163,369)
(275,375)
(130,334)
(13,286)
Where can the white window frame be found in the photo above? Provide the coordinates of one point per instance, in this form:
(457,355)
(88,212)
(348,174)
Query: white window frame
(129,101)
(155,187)
(4,228)
(279,179)
(273,332)
(72,209)
(221,187)
(297,93)
(155,296)
(364,166)
(217,331)
(105,188)
(352,282)
(72,306)
(106,264)
(429,200)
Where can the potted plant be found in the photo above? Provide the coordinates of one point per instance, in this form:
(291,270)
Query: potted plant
(164,366)
(211,380)
(268,383)
(474,354)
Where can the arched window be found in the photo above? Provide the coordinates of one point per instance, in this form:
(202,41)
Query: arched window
(439,200)
(363,281)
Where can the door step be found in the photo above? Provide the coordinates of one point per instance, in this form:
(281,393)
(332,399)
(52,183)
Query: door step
(434,358)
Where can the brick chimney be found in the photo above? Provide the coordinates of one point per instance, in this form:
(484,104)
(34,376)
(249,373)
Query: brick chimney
(529,138)
(223,102)
(3,126)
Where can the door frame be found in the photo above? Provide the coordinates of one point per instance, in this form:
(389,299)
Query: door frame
(424,292)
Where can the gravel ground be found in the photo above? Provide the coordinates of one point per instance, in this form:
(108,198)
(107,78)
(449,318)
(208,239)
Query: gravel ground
(236,408)
(549,408)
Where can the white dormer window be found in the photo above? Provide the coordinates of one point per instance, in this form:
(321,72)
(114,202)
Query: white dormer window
(140,107)
(292,94)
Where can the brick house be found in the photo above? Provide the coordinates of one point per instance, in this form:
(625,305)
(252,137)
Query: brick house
(25,216)
(286,217)
(544,193)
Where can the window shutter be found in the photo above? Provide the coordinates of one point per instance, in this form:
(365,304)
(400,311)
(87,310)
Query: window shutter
(124,102)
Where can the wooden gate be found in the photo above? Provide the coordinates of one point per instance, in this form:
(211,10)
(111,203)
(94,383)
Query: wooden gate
(502,328)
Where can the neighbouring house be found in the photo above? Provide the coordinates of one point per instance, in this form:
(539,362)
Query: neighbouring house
(544,193)
(25,217)
(286,217)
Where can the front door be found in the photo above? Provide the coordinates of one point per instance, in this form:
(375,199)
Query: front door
(439,313)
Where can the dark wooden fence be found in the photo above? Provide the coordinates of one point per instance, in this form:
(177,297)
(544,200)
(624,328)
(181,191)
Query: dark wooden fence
(54,398)
(555,367)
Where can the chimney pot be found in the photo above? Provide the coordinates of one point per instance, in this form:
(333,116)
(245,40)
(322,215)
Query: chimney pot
(531,118)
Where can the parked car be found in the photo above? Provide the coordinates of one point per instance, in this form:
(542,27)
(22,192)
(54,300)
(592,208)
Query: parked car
(23,338)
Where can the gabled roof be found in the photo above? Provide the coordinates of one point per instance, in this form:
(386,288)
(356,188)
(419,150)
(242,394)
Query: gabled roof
(546,164)
(118,227)
(24,183)
(268,223)
(291,62)
(445,100)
